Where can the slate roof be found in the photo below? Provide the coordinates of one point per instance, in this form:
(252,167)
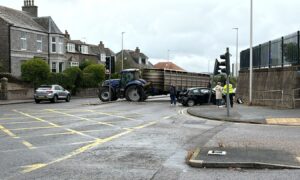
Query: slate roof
(19,19)
(168,65)
(48,24)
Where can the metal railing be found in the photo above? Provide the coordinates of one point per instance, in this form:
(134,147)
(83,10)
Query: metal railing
(296,96)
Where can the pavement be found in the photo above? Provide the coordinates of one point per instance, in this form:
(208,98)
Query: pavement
(248,114)
(230,157)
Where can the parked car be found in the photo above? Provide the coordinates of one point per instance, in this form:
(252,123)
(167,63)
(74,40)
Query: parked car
(51,93)
(198,95)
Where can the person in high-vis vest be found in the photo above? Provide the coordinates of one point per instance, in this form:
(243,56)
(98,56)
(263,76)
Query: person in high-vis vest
(230,93)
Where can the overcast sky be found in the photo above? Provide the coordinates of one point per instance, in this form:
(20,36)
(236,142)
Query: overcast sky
(194,31)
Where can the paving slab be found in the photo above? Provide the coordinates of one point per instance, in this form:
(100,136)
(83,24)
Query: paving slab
(244,158)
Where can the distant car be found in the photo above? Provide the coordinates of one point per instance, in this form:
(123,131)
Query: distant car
(51,93)
(193,96)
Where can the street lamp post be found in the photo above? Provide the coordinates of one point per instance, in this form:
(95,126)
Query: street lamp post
(237,51)
(251,52)
(122,51)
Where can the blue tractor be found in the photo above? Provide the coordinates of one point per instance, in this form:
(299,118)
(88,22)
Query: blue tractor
(130,86)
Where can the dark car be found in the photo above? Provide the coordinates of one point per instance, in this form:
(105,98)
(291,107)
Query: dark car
(51,93)
(193,96)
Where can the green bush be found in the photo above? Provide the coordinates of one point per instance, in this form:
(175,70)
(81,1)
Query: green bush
(97,72)
(35,70)
(61,79)
(88,81)
(74,75)
(85,64)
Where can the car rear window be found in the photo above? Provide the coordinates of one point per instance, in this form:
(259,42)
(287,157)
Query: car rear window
(44,87)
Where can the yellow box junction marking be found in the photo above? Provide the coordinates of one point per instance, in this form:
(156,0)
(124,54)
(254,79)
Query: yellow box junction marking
(29,145)
(289,121)
(8,132)
(112,115)
(33,128)
(78,117)
(56,125)
(95,143)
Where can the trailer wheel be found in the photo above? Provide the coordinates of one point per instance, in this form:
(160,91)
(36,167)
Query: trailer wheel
(104,94)
(134,93)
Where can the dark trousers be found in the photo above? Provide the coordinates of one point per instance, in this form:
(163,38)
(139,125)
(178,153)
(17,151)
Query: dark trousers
(230,100)
(218,102)
(173,99)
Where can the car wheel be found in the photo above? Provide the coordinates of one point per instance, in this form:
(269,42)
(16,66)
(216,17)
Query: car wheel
(68,98)
(37,101)
(54,99)
(190,102)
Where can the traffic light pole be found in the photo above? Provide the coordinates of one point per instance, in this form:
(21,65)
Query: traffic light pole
(109,79)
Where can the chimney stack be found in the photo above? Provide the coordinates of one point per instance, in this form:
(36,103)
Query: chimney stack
(137,50)
(30,8)
(101,45)
(67,35)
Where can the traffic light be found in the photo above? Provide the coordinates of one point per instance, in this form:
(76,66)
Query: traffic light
(107,63)
(226,63)
(112,64)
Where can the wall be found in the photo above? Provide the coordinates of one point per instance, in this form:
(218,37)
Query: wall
(88,92)
(26,93)
(4,46)
(267,80)
(18,56)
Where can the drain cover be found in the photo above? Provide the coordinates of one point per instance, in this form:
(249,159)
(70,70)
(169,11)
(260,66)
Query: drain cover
(216,152)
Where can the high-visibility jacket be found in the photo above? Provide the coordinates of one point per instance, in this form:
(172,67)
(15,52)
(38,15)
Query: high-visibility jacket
(225,89)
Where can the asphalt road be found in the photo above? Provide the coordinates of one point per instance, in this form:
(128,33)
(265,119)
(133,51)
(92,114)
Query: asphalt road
(85,139)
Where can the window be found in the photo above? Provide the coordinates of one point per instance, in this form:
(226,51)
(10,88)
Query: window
(74,64)
(140,60)
(60,66)
(23,41)
(84,49)
(71,47)
(102,57)
(39,43)
(60,47)
(53,67)
(53,44)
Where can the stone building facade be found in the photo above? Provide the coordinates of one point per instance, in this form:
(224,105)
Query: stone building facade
(78,52)
(132,59)
(23,36)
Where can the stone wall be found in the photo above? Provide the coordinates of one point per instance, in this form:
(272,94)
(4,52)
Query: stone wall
(17,94)
(88,92)
(271,87)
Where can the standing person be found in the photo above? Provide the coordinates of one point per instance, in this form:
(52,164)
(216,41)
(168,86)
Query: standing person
(230,93)
(173,94)
(219,90)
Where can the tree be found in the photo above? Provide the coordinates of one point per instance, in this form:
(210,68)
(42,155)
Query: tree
(97,72)
(35,70)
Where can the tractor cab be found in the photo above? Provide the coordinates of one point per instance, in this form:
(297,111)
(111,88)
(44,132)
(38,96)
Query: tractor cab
(129,75)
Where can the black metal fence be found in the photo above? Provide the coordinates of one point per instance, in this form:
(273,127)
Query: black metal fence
(277,53)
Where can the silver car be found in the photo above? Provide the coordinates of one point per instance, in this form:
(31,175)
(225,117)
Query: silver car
(51,93)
